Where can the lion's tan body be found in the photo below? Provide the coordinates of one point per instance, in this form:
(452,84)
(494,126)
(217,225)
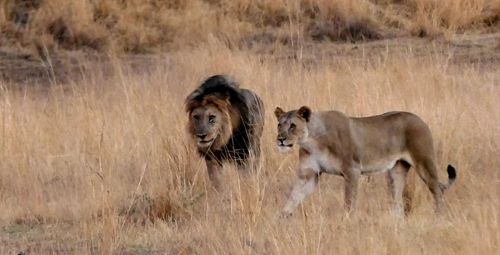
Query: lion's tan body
(333,143)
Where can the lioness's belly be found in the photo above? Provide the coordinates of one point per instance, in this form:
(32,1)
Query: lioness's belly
(381,165)
(322,162)
(325,162)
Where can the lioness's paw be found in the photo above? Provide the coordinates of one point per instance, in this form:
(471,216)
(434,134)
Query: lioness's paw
(285,215)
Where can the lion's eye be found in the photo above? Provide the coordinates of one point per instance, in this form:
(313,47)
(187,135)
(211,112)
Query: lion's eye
(292,126)
(279,125)
(211,118)
(196,117)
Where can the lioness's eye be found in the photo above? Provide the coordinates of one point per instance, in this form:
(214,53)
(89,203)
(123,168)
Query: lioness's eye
(196,117)
(292,126)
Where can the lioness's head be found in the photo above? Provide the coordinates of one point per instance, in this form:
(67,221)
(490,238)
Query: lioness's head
(292,127)
(210,123)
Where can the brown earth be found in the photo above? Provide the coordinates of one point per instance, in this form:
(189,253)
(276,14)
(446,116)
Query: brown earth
(61,67)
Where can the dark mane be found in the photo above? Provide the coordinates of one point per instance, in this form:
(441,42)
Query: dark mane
(222,87)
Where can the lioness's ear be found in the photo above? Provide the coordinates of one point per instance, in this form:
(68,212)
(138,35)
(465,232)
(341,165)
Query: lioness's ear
(278,112)
(304,112)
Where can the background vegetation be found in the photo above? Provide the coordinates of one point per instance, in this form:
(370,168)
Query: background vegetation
(139,26)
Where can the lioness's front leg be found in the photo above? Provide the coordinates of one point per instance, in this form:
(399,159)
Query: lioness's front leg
(214,168)
(307,180)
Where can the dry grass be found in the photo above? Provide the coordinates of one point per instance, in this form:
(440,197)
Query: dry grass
(77,158)
(144,26)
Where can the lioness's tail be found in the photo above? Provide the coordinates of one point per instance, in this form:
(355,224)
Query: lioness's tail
(452,175)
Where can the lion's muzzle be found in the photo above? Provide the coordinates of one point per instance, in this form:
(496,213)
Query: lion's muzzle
(204,140)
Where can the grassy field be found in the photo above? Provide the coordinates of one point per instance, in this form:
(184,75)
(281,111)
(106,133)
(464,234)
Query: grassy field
(102,164)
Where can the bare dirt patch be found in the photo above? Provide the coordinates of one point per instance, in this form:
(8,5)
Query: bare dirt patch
(27,68)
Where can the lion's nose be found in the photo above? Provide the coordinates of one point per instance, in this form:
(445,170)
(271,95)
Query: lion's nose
(281,139)
(202,136)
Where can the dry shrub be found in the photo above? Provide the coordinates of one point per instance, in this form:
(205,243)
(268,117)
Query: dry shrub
(430,17)
(14,15)
(69,23)
(20,11)
(134,26)
(344,21)
(144,209)
(70,38)
(262,13)
(493,10)
(144,26)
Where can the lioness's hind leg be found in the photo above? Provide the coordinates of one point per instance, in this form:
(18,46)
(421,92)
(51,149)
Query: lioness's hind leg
(397,183)
(409,190)
(426,169)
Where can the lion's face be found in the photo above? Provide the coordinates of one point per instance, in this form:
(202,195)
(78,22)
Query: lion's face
(211,122)
(206,125)
(292,127)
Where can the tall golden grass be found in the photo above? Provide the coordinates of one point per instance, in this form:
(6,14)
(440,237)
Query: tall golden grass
(77,158)
(147,26)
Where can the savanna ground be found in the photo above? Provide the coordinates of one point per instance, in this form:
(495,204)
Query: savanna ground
(94,156)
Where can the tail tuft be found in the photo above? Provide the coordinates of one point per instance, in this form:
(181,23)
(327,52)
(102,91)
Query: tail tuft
(452,174)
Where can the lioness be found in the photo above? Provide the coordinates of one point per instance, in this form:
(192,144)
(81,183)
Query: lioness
(225,122)
(330,142)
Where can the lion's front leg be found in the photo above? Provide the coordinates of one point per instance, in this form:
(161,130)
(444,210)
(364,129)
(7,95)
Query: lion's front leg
(304,186)
(214,168)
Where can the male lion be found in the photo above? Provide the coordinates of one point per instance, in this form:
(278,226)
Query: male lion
(330,142)
(226,123)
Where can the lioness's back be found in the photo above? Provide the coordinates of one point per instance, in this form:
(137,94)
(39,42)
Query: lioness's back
(391,122)
(395,131)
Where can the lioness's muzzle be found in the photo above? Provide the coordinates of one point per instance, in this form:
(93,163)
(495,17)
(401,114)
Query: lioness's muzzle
(281,142)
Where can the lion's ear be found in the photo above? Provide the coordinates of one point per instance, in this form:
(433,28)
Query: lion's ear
(304,112)
(278,112)
(190,104)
